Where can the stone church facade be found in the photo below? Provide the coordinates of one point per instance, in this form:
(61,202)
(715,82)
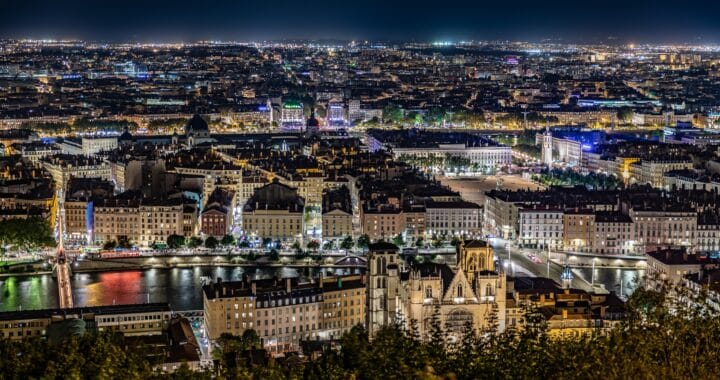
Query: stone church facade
(470,293)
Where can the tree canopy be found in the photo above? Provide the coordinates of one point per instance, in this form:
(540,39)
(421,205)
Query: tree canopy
(29,233)
(227,240)
(660,337)
(175,241)
(211,242)
(592,180)
(393,114)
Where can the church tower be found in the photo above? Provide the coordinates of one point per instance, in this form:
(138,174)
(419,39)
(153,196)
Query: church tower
(383,271)
(547,152)
(475,256)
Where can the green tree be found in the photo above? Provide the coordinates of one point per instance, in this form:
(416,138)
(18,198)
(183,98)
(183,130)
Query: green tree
(455,241)
(329,245)
(175,241)
(274,255)
(363,241)
(313,245)
(194,242)
(413,118)
(435,116)
(392,114)
(438,241)
(398,240)
(110,244)
(347,243)
(228,240)
(211,242)
(124,242)
(26,233)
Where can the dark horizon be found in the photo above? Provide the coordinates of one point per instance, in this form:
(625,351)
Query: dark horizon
(662,21)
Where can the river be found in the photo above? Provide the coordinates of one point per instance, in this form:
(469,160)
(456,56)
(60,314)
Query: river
(180,287)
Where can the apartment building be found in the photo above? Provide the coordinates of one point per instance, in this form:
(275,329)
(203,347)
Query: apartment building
(274,211)
(579,230)
(661,227)
(337,214)
(453,218)
(383,222)
(285,312)
(541,228)
(130,320)
(614,234)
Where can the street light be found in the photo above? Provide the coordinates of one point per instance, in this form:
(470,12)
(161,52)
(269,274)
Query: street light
(592,281)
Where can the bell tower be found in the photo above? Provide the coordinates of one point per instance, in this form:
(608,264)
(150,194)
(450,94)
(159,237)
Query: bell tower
(547,152)
(475,256)
(383,282)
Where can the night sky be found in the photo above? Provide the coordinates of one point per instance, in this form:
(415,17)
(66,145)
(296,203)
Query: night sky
(135,20)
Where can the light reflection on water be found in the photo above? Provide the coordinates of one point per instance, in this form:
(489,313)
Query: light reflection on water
(610,278)
(180,287)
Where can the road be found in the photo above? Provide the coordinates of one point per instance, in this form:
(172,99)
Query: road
(516,261)
(198,328)
(65,299)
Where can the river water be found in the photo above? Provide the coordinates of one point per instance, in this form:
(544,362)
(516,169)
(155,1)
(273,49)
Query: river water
(181,287)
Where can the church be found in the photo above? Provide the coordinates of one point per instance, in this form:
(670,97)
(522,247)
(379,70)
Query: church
(470,293)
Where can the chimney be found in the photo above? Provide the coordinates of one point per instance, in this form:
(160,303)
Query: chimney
(253,288)
(322,279)
(288,284)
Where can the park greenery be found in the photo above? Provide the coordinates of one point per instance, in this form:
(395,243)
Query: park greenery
(451,163)
(659,338)
(175,241)
(26,234)
(532,151)
(88,125)
(167,124)
(83,125)
(568,177)
(432,117)
(92,356)
(518,119)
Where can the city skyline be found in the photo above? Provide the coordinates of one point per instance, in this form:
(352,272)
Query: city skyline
(369,191)
(615,21)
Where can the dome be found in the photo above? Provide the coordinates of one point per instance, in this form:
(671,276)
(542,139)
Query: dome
(125,136)
(196,124)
